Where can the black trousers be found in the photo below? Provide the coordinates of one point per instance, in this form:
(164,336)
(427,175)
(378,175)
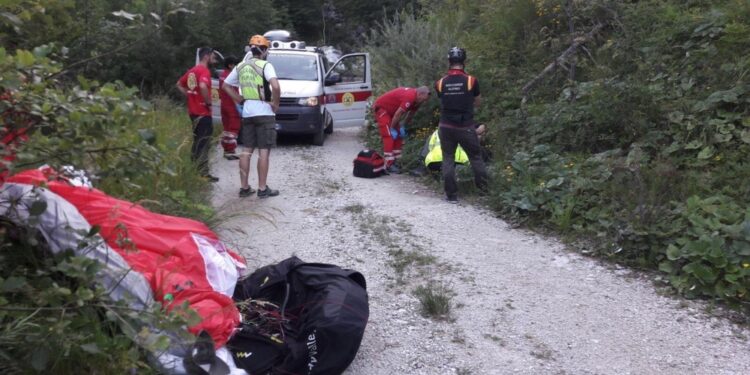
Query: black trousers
(203,129)
(450,138)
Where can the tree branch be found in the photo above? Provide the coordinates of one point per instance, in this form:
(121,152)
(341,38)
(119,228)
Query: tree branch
(84,61)
(572,31)
(560,60)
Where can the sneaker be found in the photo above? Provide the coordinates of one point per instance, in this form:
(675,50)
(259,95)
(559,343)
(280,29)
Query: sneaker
(231,156)
(268,192)
(246,192)
(451,199)
(393,169)
(211,178)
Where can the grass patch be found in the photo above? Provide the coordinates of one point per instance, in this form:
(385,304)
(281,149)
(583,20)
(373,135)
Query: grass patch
(542,353)
(435,301)
(495,338)
(408,256)
(379,228)
(326,187)
(356,208)
(176,188)
(402,259)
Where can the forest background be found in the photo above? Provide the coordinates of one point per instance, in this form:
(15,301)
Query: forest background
(621,126)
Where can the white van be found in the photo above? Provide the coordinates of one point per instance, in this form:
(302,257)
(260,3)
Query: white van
(318,95)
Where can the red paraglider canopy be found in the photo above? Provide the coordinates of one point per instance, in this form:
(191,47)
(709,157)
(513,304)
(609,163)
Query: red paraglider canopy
(181,259)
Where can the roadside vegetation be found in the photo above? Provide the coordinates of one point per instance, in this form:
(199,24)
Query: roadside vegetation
(54,317)
(633,145)
(623,126)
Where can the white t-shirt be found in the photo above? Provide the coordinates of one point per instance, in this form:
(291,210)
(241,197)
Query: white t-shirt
(253,108)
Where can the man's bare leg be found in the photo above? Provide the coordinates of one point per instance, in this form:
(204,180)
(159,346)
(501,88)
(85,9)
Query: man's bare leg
(245,156)
(263,155)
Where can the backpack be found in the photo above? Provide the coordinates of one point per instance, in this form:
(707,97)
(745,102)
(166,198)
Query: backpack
(324,309)
(369,164)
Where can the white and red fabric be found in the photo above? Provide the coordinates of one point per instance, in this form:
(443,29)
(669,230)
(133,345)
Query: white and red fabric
(147,256)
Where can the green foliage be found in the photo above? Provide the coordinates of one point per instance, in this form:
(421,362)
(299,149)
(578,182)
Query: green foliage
(54,317)
(712,256)
(174,186)
(84,125)
(130,149)
(401,48)
(655,94)
(149,44)
(640,151)
(435,301)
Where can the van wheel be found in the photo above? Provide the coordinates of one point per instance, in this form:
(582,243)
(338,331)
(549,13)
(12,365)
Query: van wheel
(329,126)
(319,137)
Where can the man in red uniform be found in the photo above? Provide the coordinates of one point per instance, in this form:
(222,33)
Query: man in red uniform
(196,86)
(230,117)
(393,110)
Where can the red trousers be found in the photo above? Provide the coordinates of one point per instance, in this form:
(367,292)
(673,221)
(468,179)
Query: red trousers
(391,147)
(230,121)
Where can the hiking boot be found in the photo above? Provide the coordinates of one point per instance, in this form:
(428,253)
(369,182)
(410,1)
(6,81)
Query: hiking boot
(393,169)
(210,178)
(246,192)
(267,192)
(451,199)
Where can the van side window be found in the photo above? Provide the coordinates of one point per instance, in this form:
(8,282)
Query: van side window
(351,69)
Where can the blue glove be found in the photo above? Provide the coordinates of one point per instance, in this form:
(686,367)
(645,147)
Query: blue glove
(402,132)
(394,134)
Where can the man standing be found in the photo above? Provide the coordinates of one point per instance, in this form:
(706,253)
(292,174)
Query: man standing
(393,110)
(196,86)
(259,96)
(230,117)
(459,94)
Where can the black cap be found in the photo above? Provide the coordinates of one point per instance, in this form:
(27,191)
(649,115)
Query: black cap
(456,55)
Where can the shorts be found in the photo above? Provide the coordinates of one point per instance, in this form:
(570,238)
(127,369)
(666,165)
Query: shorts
(258,132)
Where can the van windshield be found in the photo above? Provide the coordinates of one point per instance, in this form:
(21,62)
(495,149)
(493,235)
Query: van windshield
(295,67)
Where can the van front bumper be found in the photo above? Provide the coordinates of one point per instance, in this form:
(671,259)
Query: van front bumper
(298,120)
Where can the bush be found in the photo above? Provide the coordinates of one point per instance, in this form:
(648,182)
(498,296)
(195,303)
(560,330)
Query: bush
(711,258)
(642,152)
(401,48)
(54,316)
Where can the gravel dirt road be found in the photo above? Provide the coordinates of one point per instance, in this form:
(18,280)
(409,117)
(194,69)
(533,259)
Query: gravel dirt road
(521,303)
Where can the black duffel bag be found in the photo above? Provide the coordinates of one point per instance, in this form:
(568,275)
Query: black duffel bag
(324,309)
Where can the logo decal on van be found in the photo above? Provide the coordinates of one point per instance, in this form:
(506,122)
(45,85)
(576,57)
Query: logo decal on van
(347,99)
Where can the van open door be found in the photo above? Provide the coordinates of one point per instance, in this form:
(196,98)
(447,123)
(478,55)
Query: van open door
(348,85)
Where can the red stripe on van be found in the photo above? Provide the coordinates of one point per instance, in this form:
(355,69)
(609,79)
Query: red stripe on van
(359,96)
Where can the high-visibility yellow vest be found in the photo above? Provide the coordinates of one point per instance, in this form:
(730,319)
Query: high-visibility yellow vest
(252,81)
(435,154)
